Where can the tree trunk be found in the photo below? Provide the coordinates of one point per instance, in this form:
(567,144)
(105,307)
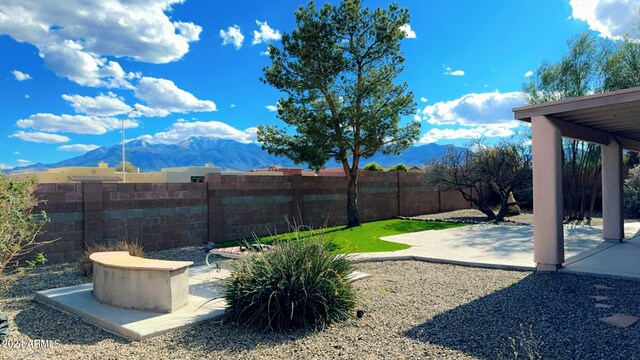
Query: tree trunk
(353,219)
(479,203)
(504,208)
(487,211)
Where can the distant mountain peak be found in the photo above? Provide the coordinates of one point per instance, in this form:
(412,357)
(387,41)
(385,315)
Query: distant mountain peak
(224,153)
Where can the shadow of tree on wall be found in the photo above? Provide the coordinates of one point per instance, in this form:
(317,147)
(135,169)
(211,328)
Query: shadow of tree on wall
(556,308)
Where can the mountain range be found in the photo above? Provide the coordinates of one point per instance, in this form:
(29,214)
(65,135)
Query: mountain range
(226,154)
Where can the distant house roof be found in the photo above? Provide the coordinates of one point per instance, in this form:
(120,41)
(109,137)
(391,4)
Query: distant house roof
(95,178)
(410,168)
(338,171)
(283,170)
(331,172)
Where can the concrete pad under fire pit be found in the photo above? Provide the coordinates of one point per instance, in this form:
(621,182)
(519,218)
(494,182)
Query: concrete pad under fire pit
(205,303)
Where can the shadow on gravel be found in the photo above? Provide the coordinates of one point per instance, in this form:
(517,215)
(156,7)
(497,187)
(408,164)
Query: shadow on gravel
(205,338)
(551,314)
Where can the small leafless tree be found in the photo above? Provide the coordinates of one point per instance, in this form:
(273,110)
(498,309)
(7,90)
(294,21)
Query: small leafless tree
(473,172)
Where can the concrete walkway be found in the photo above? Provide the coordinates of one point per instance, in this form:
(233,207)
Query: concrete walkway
(511,247)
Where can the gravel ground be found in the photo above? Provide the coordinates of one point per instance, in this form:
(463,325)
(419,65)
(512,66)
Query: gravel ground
(412,310)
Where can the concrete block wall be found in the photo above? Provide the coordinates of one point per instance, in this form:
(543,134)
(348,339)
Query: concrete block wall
(157,216)
(240,205)
(224,207)
(64,205)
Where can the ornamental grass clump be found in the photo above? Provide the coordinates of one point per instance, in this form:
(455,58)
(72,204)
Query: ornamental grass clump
(85,265)
(297,284)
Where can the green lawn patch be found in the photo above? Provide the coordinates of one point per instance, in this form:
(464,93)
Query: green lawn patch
(366,238)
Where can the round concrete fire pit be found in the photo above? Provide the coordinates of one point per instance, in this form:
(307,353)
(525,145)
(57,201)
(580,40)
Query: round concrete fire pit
(131,282)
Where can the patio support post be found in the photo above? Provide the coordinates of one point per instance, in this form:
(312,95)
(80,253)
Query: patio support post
(548,236)
(612,213)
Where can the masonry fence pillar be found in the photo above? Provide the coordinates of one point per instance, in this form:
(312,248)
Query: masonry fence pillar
(215,208)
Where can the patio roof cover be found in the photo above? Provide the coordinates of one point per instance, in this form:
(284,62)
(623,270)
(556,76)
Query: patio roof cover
(593,118)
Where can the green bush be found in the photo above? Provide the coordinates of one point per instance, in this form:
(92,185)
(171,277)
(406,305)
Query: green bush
(295,285)
(85,265)
(19,226)
(632,192)
(399,167)
(372,167)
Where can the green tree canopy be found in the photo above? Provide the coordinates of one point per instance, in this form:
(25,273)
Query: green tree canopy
(337,70)
(622,69)
(399,167)
(128,167)
(373,166)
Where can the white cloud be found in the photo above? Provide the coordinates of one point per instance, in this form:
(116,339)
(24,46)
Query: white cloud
(272,108)
(20,76)
(77,124)
(448,71)
(26,96)
(78,147)
(190,31)
(424,99)
(101,105)
(232,106)
(265,34)
(180,131)
(528,74)
(494,130)
(23,162)
(475,109)
(163,97)
(233,35)
(74,37)
(151,112)
(611,18)
(39,137)
(409,34)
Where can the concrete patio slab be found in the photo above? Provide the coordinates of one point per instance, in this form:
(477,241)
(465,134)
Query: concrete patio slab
(511,247)
(620,260)
(205,303)
(483,245)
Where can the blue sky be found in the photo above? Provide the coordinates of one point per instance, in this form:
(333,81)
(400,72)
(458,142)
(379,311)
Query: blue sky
(70,70)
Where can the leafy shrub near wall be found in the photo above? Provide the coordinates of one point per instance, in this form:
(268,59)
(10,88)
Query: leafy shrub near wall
(297,284)
(372,166)
(399,167)
(19,225)
(632,192)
